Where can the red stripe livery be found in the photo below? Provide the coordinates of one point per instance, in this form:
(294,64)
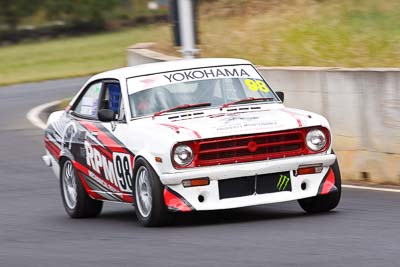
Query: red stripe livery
(176,129)
(104,137)
(328,183)
(85,170)
(52,148)
(176,202)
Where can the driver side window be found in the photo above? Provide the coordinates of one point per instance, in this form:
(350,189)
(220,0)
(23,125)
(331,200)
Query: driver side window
(112,99)
(89,103)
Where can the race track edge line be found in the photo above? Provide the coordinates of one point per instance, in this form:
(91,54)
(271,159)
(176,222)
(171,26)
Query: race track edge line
(372,188)
(34,114)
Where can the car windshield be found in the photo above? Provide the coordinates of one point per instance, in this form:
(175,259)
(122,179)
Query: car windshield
(218,86)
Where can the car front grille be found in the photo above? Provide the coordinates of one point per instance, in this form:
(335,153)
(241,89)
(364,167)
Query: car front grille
(245,148)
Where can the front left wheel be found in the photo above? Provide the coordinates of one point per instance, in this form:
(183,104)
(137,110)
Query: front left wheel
(324,203)
(77,203)
(149,196)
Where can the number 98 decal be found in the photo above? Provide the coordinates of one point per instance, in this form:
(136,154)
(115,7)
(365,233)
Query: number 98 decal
(256,85)
(123,170)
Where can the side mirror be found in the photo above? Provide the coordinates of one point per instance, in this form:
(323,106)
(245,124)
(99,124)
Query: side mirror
(106,115)
(281,95)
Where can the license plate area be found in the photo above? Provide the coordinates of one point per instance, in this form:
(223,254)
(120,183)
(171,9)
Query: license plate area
(250,185)
(273,182)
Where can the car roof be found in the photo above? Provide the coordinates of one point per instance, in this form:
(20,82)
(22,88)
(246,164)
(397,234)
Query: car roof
(150,68)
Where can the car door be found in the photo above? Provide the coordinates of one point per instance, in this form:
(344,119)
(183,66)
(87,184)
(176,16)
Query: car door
(113,133)
(98,155)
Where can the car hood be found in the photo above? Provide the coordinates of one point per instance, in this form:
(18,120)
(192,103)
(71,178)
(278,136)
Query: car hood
(219,123)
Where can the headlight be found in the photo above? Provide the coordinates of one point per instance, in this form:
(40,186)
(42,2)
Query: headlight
(183,155)
(316,140)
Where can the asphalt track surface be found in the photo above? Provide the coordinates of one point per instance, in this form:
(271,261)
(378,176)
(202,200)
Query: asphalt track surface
(35,231)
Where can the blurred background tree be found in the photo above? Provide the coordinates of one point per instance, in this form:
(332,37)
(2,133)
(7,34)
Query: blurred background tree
(90,13)
(78,12)
(45,19)
(13,11)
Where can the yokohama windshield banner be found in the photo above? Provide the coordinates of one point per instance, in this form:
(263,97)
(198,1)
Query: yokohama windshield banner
(180,76)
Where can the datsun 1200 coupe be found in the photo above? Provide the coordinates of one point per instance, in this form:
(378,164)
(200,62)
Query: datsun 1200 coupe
(188,135)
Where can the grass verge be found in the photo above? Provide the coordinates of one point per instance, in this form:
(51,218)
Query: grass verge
(347,33)
(71,57)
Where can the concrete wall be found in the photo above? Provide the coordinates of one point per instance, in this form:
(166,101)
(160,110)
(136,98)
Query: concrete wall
(363,108)
(362,105)
(141,54)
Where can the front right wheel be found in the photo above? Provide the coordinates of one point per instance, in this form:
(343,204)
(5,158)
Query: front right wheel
(149,196)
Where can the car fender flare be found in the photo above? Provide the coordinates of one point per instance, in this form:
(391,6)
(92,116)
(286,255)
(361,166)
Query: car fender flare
(66,154)
(149,158)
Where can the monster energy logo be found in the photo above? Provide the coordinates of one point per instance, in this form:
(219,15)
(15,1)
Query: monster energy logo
(283,182)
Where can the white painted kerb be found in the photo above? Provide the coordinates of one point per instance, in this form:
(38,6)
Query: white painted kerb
(34,114)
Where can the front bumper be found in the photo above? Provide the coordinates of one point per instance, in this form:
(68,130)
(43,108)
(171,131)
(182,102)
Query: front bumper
(246,169)
(210,193)
(50,161)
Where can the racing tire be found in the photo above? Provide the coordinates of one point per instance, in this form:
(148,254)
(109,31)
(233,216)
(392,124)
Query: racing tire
(324,203)
(77,203)
(148,192)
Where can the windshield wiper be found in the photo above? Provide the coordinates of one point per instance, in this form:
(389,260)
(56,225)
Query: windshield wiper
(247,100)
(181,107)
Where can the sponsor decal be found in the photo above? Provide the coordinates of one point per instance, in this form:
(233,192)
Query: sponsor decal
(209,73)
(243,125)
(245,122)
(282,182)
(136,84)
(69,133)
(87,188)
(118,171)
(101,182)
(256,85)
(237,117)
(89,105)
(98,188)
(148,81)
(98,88)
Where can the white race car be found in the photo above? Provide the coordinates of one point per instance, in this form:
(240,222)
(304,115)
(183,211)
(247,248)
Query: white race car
(188,135)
